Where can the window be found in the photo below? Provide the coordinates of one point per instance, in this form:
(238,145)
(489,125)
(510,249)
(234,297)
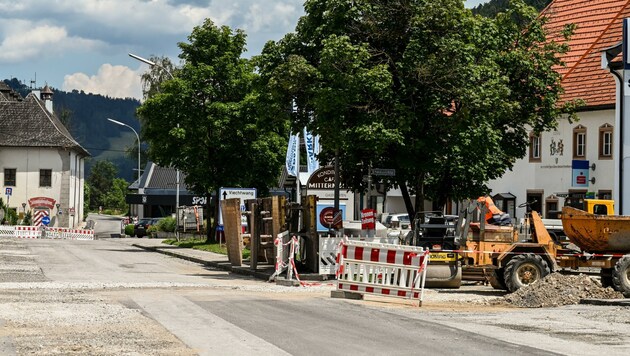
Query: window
(551,207)
(535,200)
(9,177)
(605,141)
(45,177)
(534,148)
(579,142)
(604,194)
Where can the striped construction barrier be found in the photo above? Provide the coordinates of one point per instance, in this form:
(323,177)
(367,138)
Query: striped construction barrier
(37,232)
(328,249)
(382,269)
(27,232)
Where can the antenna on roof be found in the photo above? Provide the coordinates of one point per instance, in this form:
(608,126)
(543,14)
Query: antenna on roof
(34,82)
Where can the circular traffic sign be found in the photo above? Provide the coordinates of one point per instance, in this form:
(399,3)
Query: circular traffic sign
(46,220)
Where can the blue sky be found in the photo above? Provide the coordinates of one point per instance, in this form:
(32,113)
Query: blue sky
(83,45)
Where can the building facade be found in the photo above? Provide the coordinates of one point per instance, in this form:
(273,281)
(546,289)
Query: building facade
(578,158)
(41,165)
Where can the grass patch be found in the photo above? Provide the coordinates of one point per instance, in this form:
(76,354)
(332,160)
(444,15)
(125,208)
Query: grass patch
(201,244)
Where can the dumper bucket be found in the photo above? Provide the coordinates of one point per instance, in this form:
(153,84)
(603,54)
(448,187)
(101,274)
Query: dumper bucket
(444,270)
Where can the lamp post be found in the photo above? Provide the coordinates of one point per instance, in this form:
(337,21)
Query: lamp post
(138,137)
(153,64)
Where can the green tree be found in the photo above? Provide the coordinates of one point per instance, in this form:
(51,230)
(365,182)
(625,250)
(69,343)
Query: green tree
(493,7)
(206,120)
(114,198)
(87,193)
(28,219)
(100,182)
(444,97)
(152,80)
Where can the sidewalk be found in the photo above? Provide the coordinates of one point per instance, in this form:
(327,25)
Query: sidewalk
(264,271)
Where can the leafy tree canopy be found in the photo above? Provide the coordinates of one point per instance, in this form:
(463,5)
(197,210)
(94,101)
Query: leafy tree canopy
(445,97)
(100,182)
(207,121)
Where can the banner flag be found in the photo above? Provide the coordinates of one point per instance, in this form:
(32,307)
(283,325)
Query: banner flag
(293,155)
(312,149)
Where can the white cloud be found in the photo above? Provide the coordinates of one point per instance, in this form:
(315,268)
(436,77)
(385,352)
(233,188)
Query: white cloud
(113,81)
(23,42)
(280,16)
(70,37)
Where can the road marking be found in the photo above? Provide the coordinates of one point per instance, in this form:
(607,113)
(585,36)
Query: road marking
(201,330)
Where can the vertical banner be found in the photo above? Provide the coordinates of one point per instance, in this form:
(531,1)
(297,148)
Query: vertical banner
(312,149)
(293,155)
(579,170)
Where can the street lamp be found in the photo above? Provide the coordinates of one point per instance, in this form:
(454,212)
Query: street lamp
(153,64)
(138,137)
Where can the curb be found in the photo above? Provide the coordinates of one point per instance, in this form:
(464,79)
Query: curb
(613,302)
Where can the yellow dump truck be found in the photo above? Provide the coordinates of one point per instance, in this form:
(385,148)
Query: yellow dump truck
(602,241)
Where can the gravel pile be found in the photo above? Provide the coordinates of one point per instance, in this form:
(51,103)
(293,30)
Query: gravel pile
(557,289)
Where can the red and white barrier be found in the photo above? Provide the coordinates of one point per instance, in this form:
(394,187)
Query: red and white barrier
(27,232)
(38,232)
(284,260)
(382,269)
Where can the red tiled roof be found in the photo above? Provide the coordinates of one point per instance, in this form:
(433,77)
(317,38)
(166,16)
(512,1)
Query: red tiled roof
(599,25)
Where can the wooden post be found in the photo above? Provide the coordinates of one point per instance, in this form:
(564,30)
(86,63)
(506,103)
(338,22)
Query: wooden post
(254,226)
(231,209)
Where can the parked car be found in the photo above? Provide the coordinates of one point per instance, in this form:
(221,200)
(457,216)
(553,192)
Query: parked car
(141,227)
(398,221)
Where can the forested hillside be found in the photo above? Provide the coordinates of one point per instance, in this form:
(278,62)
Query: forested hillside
(493,7)
(85,115)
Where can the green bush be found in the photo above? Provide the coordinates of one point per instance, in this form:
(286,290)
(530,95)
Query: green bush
(129,230)
(167,224)
(28,219)
(151,231)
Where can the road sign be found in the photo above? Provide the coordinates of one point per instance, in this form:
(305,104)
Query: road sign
(384,172)
(46,220)
(8,191)
(242,193)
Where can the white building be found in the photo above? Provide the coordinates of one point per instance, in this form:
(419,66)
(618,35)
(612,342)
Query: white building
(41,165)
(547,174)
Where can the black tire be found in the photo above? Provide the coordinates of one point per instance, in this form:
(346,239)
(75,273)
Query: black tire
(621,276)
(497,281)
(523,270)
(606,278)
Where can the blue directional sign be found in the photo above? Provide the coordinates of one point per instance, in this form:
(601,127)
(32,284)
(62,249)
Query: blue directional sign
(46,220)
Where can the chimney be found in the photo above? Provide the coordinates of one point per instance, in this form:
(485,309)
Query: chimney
(46,96)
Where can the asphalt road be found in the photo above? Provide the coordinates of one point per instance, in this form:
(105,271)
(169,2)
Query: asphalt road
(213,312)
(209,312)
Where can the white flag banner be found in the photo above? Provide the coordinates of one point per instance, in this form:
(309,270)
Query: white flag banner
(312,149)
(293,155)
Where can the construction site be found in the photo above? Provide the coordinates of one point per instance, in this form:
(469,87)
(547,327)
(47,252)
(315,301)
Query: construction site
(532,266)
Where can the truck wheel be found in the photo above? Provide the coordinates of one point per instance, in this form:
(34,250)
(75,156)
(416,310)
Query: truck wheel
(621,276)
(523,270)
(497,281)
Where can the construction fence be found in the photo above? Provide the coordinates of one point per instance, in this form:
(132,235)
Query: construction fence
(42,232)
